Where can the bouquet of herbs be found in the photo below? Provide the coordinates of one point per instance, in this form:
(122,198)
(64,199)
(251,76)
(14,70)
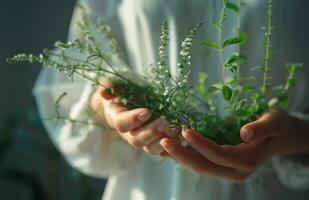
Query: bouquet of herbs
(173,97)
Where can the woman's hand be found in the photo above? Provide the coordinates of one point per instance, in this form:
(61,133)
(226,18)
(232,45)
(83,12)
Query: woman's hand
(132,125)
(274,133)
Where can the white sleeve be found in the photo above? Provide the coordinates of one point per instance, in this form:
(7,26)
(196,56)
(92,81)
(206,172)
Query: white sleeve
(90,149)
(293,171)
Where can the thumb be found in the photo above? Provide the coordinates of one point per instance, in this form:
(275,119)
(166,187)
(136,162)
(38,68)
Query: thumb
(265,127)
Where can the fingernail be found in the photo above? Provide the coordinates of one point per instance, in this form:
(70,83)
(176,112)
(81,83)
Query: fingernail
(166,145)
(144,116)
(246,134)
(186,135)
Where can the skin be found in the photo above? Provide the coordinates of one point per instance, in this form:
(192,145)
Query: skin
(274,133)
(264,139)
(132,125)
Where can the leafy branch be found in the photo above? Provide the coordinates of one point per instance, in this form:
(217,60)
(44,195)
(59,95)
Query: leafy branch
(97,54)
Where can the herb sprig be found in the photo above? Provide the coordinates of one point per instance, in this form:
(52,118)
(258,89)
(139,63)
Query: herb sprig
(173,97)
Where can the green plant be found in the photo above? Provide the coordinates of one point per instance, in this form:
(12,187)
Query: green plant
(172,97)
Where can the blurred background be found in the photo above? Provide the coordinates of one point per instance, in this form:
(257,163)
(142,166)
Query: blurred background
(30,166)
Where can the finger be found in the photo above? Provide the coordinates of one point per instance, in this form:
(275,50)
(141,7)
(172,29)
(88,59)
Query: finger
(160,125)
(148,133)
(110,110)
(266,126)
(154,148)
(239,156)
(198,163)
(124,120)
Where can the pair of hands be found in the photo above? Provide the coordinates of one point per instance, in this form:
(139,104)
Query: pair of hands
(274,133)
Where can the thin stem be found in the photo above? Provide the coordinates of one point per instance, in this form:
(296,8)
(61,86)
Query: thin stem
(73,121)
(113,68)
(267,46)
(201,101)
(238,45)
(220,50)
(221,58)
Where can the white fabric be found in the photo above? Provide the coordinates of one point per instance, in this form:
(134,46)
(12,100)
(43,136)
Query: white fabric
(134,175)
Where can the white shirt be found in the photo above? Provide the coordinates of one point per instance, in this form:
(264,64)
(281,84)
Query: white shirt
(135,175)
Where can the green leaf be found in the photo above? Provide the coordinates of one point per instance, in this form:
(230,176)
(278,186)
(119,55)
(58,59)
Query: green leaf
(240,104)
(294,67)
(216,26)
(233,7)
(257,96)
(247,87)
(234,61)
(61,45)
(291,82)
(215,87)
(283,99)
(209,133)
(232,138)
(230,80)
(210,44)
(241,38)
(227,92)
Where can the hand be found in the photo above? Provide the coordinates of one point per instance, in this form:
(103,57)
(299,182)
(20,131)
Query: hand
(132,125)
(274,133)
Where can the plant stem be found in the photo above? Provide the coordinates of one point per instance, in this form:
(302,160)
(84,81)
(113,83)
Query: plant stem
(267,46)
(220,50)
(221,59)
(238,45)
